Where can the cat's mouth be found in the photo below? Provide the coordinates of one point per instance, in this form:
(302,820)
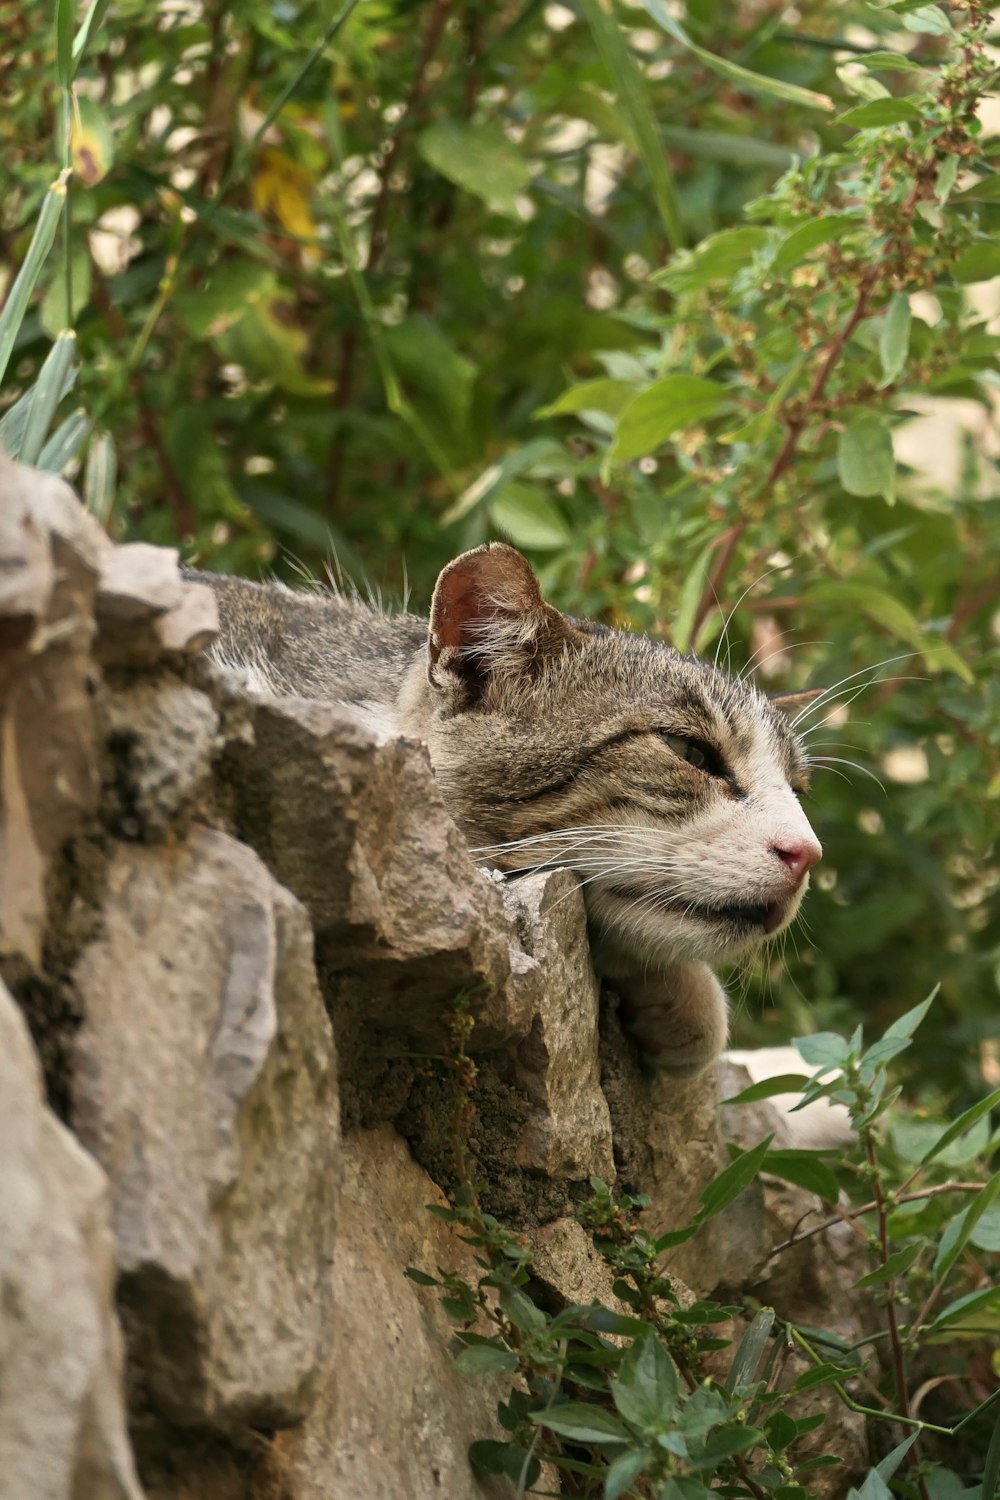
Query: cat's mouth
(762,916)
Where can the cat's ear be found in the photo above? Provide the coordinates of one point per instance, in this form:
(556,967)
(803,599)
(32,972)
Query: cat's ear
(790,703)
(488,618)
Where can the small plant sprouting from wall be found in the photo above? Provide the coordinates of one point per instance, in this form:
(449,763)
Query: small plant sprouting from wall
(661,1402)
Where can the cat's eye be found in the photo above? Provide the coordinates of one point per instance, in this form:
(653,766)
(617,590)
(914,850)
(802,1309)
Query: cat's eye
(696,752)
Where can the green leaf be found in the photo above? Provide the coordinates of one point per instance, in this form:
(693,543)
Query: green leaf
(420,1277)
(16,303)
(479,159)
(887,1467)
(891,62)
(645,1391)
(583,1423)
(630,89)
(809,236)
(895,1265)
(690,597)
(824,1050)
(732,1180)
(724,1443)
(927,19)
(54,314)
(669,405)
(898,1036)
(980,261)
(872,1487)
(47,393)
(606,395)
(806,1169)
(518,461)
(488,1456)
(92,142)
(622,1473)
(964,1123)
(962,1307)
(484,1359)
(754,83)
(717,258)
(782,1083)
(912,1139)
(100,477)
(865,459)
(894,337)
(747,1355)
(90,24)
(821,1374)
(959,1231)
(528,518)
(521,1311)
(991,1468)
(223,298)
(65,23)
(986,1235)
(876,112)
(66,442)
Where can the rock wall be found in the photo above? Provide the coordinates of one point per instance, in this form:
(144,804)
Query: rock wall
(233,932)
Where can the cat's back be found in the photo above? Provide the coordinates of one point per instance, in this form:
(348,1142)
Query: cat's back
(315,643)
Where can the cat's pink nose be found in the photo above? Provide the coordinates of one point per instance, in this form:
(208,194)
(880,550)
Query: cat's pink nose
(799,857)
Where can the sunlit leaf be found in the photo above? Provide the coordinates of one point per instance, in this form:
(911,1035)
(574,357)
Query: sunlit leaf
(479,159)
(667,406)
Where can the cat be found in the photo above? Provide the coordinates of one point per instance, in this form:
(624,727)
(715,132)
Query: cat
(671,789)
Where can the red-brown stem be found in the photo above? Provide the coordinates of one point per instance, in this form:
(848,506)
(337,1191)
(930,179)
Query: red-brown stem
(730,540)
(867,1208)
(895,1342)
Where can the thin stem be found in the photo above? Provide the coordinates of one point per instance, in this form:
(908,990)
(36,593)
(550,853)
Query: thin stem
(796,425)
(867,1208)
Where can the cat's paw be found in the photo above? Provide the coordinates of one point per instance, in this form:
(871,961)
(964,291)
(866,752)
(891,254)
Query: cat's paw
(679,1017)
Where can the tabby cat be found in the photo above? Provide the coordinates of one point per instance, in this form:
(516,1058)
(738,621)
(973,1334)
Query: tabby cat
(671,789)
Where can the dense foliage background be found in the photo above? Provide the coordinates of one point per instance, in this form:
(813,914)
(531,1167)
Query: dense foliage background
(653,290)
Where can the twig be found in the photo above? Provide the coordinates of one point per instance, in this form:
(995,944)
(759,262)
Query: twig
(867,1208)
(796,425)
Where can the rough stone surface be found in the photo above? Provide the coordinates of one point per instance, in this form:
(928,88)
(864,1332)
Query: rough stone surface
(163,736)
(204,1086)
(200,889)
(357,829)
(48,562)
(62,1418)
(138,580)
(554,993)
(393,1419)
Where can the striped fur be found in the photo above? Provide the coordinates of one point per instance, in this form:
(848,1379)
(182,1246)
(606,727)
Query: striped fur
(668,787)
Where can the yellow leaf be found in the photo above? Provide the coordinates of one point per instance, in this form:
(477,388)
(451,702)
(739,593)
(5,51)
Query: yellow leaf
(283,188)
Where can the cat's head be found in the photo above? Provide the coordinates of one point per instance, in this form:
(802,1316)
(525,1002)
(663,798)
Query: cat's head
(670,788)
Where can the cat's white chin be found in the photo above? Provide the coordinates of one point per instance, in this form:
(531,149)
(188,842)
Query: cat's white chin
(649,929)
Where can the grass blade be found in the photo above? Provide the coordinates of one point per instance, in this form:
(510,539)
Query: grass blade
(65,443)
(630,87)
(65,18)
(100,477)
(755,83)
(45,396)
(24,283)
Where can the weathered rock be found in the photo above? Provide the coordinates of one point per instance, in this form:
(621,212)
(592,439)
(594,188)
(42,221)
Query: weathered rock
(204,1086)
(62,1418)
(138,580)
(50,551)
(393,1419)
(163,736)
(554,996)
(192,624)
(357,829)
